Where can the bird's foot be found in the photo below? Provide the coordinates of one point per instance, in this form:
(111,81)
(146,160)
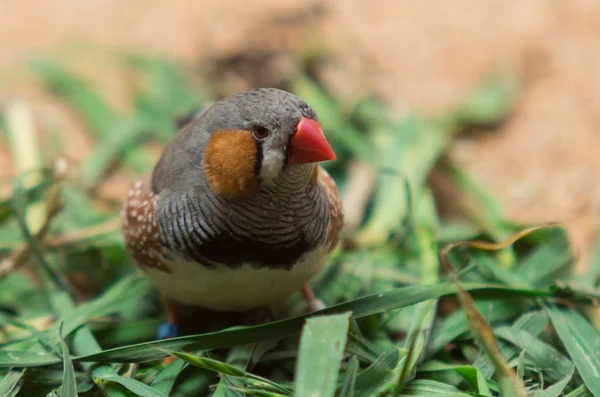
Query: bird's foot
(167,330)
(313,304)
(170,328)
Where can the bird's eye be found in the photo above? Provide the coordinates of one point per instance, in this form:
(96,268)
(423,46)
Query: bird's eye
(260,132)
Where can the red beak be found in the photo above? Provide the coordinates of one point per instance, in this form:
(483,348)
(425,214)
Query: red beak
(308,144)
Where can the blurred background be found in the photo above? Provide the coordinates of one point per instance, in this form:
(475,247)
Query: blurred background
(539,161)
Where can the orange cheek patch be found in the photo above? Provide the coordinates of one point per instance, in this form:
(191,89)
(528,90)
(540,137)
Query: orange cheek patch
(229,162)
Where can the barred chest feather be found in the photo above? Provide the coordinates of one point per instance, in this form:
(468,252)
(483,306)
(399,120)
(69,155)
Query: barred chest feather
(232,257)
(272,229)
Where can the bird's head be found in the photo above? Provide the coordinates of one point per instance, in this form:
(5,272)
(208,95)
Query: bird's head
(257,136)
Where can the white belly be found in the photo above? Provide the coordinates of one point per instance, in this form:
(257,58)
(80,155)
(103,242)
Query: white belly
(241,289)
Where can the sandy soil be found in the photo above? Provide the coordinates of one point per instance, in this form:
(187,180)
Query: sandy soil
(417,55)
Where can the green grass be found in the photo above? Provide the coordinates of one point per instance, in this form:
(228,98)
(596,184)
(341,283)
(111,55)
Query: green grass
(410,312)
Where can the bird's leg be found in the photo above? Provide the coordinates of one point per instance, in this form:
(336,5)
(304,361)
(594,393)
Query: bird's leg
(170,328)
(312,302)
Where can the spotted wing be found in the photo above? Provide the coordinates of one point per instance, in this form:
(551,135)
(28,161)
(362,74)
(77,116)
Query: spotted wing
(140,227)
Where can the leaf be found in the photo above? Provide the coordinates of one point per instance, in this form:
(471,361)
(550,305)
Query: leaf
(509,383)
(226,369)
(110,302)
(96,112)
(69,385)
(379,374)
(42,337)
(521,365)
(30,194)
(456,323)
(417,340)
(117,390)
(532,322)
(165,380)
(470,373)
(108,374)
(490,102)
(360,347)
(430,386)
(77,92)
(546,263)
(11,383)
(581,391)
(193,382)
(23,359)
(321,348)
(54,378)
(127,134)
(426,387)
(581,341)
(240,357)
(409,150)
(549,360)
(555,390)
(591,277)
(361,307)
(349,380)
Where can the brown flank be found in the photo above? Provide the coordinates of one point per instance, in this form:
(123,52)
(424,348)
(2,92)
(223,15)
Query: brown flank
(140,227)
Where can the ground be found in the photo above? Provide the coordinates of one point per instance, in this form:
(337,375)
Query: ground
(421,56)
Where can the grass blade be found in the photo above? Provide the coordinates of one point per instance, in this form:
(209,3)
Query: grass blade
(69,386)
(165,380)
(426,387)
(11,383)
(456,324)
(349,381)
(470,373)
(321,348)
(582,342)
(226,369)
(553,391)
(361,307)
(549,360)
(380,374)
(24,359)
(581,391)
(509,383)
(108,374)
(533,322)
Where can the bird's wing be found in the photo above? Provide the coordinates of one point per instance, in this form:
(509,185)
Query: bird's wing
(140,227)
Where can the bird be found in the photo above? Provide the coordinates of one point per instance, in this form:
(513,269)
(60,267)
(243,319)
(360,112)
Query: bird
(238,214)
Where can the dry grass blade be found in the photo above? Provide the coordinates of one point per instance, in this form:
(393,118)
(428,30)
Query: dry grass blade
(509,383)
(84,234)
(488,246)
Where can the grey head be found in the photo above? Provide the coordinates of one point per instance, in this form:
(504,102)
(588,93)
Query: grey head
(272,115)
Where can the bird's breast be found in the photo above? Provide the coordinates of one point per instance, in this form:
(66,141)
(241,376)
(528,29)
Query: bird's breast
(271,232)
